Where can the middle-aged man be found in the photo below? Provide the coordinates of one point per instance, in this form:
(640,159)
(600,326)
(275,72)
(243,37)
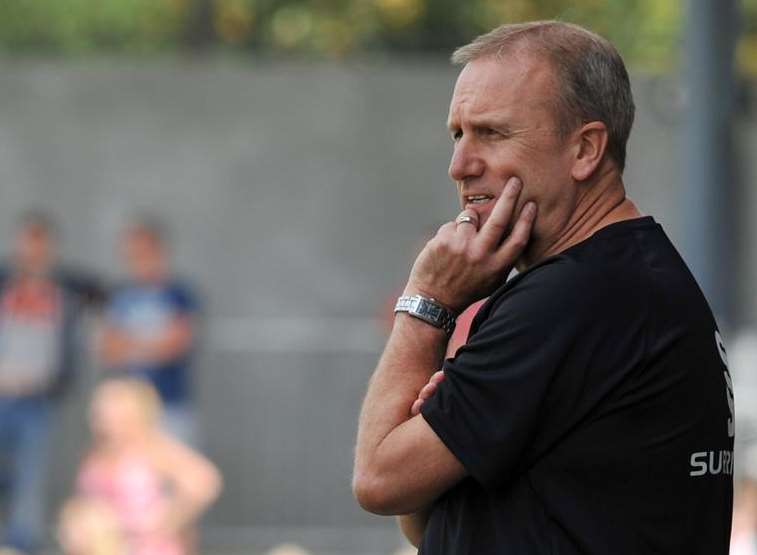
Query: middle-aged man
(591,410)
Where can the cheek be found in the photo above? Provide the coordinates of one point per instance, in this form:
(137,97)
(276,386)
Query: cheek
(545,177)
(542,172)
(518,162)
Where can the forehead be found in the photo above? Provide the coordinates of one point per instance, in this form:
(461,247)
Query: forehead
(141,238)
(514,84)
(34,231)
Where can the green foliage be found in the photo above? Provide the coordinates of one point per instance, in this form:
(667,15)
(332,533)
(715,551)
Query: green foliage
(747,53)
(80,25)
(647,32)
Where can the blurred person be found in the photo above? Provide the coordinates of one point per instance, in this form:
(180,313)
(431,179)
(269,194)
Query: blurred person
(591,409)
(40,307)
(288,549)
(90,527)
(150,323)
(155,486)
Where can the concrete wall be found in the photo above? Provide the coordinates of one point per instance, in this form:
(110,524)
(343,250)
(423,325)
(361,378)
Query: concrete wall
(297,194)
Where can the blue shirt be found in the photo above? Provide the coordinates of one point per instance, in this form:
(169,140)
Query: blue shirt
(144,311)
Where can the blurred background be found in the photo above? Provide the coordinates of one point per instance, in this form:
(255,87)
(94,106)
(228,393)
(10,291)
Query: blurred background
(294,153)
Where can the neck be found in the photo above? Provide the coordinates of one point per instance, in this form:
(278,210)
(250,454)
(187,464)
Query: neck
(600,202)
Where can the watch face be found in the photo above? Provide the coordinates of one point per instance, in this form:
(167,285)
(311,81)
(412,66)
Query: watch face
(434,311)
(429,310)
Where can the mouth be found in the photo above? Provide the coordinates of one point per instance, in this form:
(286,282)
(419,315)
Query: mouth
(476,200)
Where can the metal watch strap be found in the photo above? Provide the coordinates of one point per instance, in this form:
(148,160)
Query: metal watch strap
(428,310)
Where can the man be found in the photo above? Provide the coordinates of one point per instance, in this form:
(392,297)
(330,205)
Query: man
(149,326)
(590,411)
(39,310)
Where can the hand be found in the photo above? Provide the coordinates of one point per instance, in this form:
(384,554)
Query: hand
(116,347)
(463,264)
(428,390)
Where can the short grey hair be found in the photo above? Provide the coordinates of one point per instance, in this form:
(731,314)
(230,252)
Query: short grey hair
(592,81)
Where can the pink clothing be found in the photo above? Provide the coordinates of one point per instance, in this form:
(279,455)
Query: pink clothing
(134,490)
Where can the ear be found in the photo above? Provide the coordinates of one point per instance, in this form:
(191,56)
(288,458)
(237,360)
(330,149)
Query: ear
(592,143)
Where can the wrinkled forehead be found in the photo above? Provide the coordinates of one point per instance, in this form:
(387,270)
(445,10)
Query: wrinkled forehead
(512,82)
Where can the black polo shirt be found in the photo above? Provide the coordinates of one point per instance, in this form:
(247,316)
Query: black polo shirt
(592,409)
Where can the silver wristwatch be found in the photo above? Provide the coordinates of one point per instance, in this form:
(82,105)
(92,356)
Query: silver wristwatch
(428,310)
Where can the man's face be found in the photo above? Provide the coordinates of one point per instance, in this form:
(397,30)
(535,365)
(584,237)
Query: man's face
(502,121)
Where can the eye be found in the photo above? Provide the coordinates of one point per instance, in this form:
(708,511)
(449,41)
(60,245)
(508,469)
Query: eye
(456,135)
(487,132)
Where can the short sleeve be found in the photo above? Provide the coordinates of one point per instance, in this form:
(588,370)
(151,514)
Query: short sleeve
(489,404)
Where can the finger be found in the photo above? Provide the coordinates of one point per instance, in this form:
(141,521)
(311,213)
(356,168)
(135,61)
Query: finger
(512,248)
(496,227)
(447,227)
(437,377)
(427,391)
(466,223)
(430,388)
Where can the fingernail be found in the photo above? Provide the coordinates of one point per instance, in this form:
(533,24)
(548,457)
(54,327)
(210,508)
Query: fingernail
(514,184)
(530,209)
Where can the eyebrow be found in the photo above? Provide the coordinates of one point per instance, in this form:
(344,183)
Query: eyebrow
(483,121)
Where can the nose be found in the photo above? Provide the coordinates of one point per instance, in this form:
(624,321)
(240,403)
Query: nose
(465,162)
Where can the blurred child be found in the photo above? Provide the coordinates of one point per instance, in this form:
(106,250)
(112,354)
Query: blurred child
(155,487)
(90,527)
(288,549)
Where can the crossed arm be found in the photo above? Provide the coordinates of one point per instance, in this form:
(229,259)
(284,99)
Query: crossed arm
(401,465)
(117,346)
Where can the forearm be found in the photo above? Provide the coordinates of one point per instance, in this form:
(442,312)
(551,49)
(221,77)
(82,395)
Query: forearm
(172,343)
(414,351)
(198,489)
(413,525)
(109,345)
(186,512)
